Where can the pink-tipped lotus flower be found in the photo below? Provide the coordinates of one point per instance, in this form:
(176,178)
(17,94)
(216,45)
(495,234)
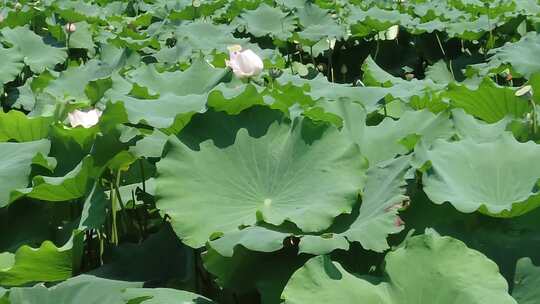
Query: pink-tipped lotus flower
(85,119)
(244,63)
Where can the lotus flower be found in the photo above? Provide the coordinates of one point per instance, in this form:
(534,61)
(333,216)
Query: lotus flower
(70,27)
(244,63)
(84,119)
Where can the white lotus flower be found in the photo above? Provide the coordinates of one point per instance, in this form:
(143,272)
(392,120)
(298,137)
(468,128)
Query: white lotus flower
(244,63)
(71,27)
(85,119)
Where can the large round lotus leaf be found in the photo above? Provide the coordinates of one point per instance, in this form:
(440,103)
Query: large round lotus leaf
(274,178)
(526,282)
(450,273)
(370,224)
(495,174)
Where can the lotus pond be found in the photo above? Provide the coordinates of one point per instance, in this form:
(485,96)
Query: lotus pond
(258,151)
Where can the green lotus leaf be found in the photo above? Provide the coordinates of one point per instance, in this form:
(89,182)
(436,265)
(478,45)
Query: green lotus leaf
(82,38)
(450,272)
(70,146)
(439,73)
(383,195)
(488,102)
(84,289)
(175,104)
(526,282)
(270,179)
(504,240)
(47,263)
(37,55)
(14,125)
(163,296)
(15,165)
(400,88)
(198,79)
(520,55)
(254,238)
(385,140)
(222,128)
(472,29)
(291,4)
(12,65)
(365,22)
(318,24)
(161,112)
(94,211)
(494,175)
(203,8)
(64,188)
(17,17)
(150,146)
(309,14)
(376,218)
(267,20)
(468,127)
(77,11)
(72,82)
(207,37)
(320,87)
(23,97)
(234,97)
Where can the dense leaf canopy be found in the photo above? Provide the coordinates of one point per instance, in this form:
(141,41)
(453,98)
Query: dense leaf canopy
(269,151)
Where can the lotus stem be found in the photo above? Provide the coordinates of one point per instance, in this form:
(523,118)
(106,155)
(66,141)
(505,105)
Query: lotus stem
(533,117)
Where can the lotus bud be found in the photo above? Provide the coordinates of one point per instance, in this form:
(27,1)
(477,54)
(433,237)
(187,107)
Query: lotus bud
(244,63)
(85,119)
(18,6)
(70,27)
